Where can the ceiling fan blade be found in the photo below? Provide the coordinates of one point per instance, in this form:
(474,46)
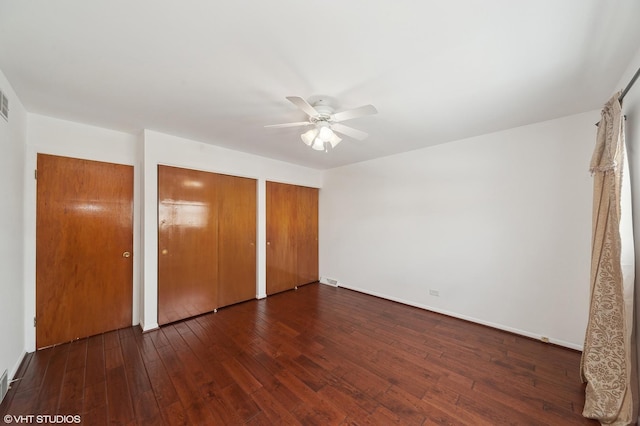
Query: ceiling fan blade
(300,123)
(303,105)
(349,131)
(355,113)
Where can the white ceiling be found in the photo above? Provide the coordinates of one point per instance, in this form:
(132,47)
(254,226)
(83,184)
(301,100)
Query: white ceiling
(218,71)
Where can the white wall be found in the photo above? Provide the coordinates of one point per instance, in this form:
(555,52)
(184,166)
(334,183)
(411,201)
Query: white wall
(175,151)
(12,148)
(498,224)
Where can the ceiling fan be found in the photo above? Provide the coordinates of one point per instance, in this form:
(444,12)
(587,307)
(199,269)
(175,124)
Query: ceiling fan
(326,122)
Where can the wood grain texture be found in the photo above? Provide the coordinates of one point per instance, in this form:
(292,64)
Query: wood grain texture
(318,355)
(237,228)
(84,224)
(307,231)
(206,242)
(292,236)
(187,243)
(281,238)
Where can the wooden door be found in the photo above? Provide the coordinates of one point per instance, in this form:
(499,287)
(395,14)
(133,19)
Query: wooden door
(236,239)
(84,247)
(281,237)
(292,236)
(307,232)
(187,249)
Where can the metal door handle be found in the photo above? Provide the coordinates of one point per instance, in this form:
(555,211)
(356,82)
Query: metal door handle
(126,254)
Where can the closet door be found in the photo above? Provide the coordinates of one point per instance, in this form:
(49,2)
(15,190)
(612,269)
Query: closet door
(84,246)
(292,236)
(281,235)
(236,239)
(307,235)
(187,243)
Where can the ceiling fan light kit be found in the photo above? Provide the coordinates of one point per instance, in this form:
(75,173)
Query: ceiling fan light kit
(321,137)
(326,123)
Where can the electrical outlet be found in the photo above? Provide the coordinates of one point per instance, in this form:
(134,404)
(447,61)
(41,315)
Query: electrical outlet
(433,292)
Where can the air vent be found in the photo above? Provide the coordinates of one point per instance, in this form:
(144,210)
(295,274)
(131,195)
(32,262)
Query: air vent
(329,281)
(4,385)
(4,106)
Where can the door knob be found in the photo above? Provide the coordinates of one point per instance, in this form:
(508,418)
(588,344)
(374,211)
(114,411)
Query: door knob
(126,254)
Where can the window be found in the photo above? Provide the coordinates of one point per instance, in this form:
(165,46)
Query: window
(4,106)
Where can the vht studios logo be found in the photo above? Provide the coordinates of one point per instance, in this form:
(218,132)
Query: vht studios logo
(42,418)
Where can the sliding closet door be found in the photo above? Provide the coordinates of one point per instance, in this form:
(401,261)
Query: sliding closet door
(236,239)
(187,243)
(281,234)
(307,232)
(292,236)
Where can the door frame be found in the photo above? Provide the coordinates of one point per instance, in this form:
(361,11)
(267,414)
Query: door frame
(115,156)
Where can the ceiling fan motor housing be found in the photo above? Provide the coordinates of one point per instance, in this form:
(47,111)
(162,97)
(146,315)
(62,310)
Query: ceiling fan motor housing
(325,112)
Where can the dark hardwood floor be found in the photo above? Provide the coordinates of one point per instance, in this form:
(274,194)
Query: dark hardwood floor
(316,356)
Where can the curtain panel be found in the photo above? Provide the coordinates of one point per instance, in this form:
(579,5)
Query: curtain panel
(606,364)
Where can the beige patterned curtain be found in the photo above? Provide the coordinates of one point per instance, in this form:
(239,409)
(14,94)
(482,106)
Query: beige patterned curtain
(608,357)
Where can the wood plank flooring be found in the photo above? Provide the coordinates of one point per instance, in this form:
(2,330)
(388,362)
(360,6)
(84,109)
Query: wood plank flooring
(316,356)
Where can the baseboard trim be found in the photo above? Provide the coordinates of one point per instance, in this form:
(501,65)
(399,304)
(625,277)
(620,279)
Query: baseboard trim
(16,366)
(502,327)
(152,327)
